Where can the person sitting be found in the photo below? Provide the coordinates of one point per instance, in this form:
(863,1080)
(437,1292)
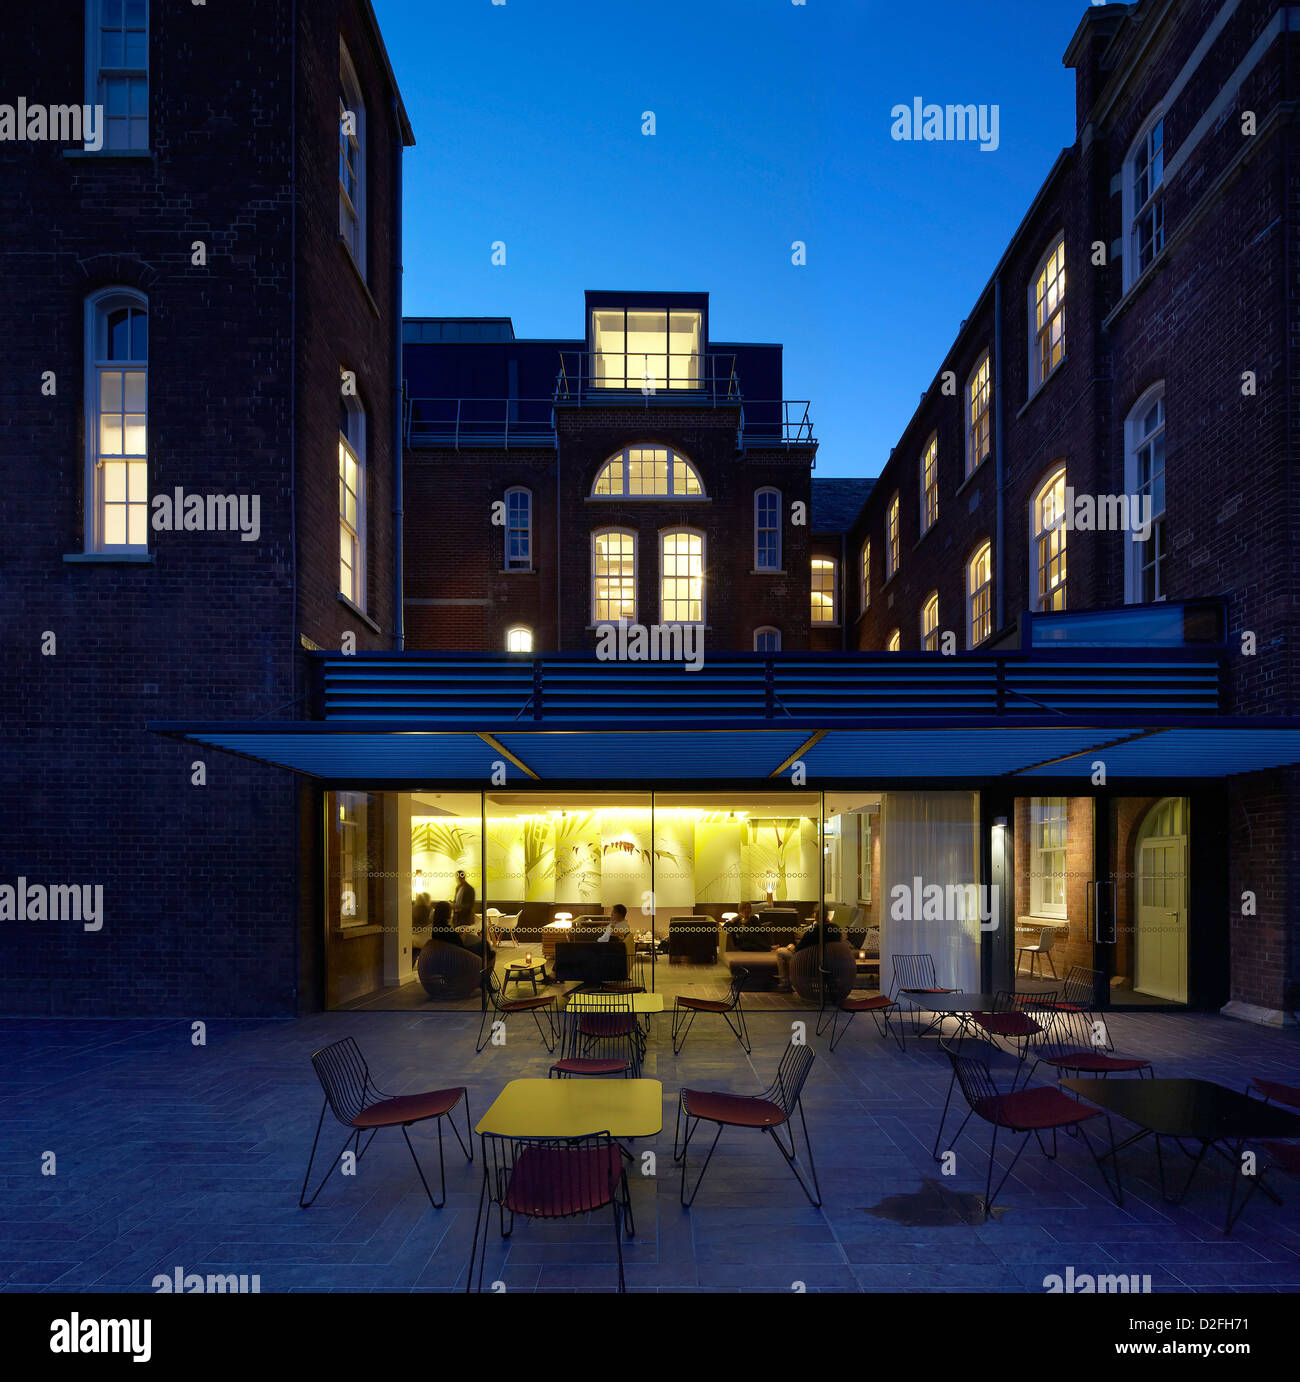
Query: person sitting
(817,932)
(744,917)
(421,909)
(618,920)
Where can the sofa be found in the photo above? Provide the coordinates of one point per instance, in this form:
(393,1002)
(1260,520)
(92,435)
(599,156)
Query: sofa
(584,957)
(694,939)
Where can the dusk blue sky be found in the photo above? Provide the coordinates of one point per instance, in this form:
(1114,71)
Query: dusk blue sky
(773,125)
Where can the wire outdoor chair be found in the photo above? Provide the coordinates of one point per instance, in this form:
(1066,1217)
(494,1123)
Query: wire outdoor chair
(914,977)
(1013,1018)
(600,1035)
(773,1109)
(839,1002)
(1075,1044)
(498,1008)
(551,1178)
(729,1009)
(361,1106)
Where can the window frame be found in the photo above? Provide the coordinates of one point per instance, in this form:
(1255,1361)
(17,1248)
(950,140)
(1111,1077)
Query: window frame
(983,550)
(759,495)
(894,643)
(1133,212)
(983,418)
(893,536)
(355,445)
(508,563)
(767,629)
(1038,376)
(623,457)
(1037,907)
(864,576)
(624,383)
(596,621)
(680,530)
(929,483)
(519,629)
(1040,533)
(351,98)
(95,76)
(96,310)
(930,631)
(834,621)
(1134,568)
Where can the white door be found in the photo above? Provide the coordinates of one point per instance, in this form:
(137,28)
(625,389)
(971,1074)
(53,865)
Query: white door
(1160,870)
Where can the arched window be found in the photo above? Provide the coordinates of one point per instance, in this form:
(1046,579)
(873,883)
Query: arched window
(824,603)
(1144,199)
(519,529)
(892,540)
(1144,482)
(864,577)
(979,395)
(117,70)
(519,639)
(930,485)
(116,411)
(1047,314)
(895,643)
(767,529)
(648,472)
(352,500)
(352,160)
(979,595)
(767,640)
(681,576)
(613,576)
(1047,544)
(930,622)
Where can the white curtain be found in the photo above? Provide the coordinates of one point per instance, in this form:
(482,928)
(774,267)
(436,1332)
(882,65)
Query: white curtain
(929,839)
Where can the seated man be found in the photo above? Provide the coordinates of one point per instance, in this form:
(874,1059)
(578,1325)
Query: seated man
(815,933)
(618,920)
(444,931)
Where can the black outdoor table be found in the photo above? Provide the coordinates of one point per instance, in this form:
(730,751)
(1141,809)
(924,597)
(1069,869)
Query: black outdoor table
(959,1005)
(1201,1111)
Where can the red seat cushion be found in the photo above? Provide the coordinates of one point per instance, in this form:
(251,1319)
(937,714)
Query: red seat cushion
(408,1108)
(1095,1060)
(1282,1093)
(1034,1108)
(590,1065)
(705,1005)
(1007,1024)
(519,1005)
(607,1024)
(866,1005)
(737,1110)
(553,1182)
(1285,1154)
(927,990)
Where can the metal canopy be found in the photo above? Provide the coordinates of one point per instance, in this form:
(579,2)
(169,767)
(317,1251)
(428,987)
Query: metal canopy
(976,748)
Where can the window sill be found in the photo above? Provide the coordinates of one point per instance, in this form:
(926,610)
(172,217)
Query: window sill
(1030,400)
(140,154)
(356,932)
(346,250)
(111,558)
(360,613)
(974,475)
(925,535)
(517,571)
(647,499)
(768,571)
(1136,286)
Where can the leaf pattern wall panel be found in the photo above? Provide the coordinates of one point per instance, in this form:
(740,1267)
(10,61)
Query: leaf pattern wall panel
(506,880)
(539,858)
(577,858)
(718,874)
(674,860)
(625,855)
(439,847)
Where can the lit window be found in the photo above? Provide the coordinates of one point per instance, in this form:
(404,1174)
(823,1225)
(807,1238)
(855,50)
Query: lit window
(767,640)
(1047,843)
(519,530)
(352,500)
(645,350)
(895,643)
(823,591)
(930,485)
(352,160)
(117,481)
(930,623)
(613,576)
(648,472)
(891,538)
(1047,315)
(352,853)
(519,639)
(681,577)
(864,577)
(1047,550)
(117,70)
(979,595)
(767,530)
(978,400)
(1144,200)
(1144,435)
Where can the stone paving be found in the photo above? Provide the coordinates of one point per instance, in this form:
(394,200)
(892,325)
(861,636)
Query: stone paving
(175,1155)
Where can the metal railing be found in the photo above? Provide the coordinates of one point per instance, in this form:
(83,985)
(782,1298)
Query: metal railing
(775,422)
(465,422)
(589,376)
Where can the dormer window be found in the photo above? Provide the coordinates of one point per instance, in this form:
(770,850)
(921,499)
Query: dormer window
(644,349)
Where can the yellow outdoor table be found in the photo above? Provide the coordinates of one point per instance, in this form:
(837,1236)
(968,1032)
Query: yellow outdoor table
(576,1108)
(641,1002)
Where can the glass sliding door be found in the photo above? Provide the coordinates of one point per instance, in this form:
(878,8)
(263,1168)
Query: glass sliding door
(1053,890)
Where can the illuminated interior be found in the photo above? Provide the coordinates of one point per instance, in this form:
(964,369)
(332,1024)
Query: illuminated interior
(645,349)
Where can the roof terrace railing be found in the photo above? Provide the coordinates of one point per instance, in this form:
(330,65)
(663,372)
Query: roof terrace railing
(595,376)
(471,422)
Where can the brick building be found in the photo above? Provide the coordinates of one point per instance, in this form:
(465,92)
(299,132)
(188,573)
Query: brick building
(180,304)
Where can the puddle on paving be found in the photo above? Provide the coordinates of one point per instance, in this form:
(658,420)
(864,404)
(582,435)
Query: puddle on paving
(934,1206)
